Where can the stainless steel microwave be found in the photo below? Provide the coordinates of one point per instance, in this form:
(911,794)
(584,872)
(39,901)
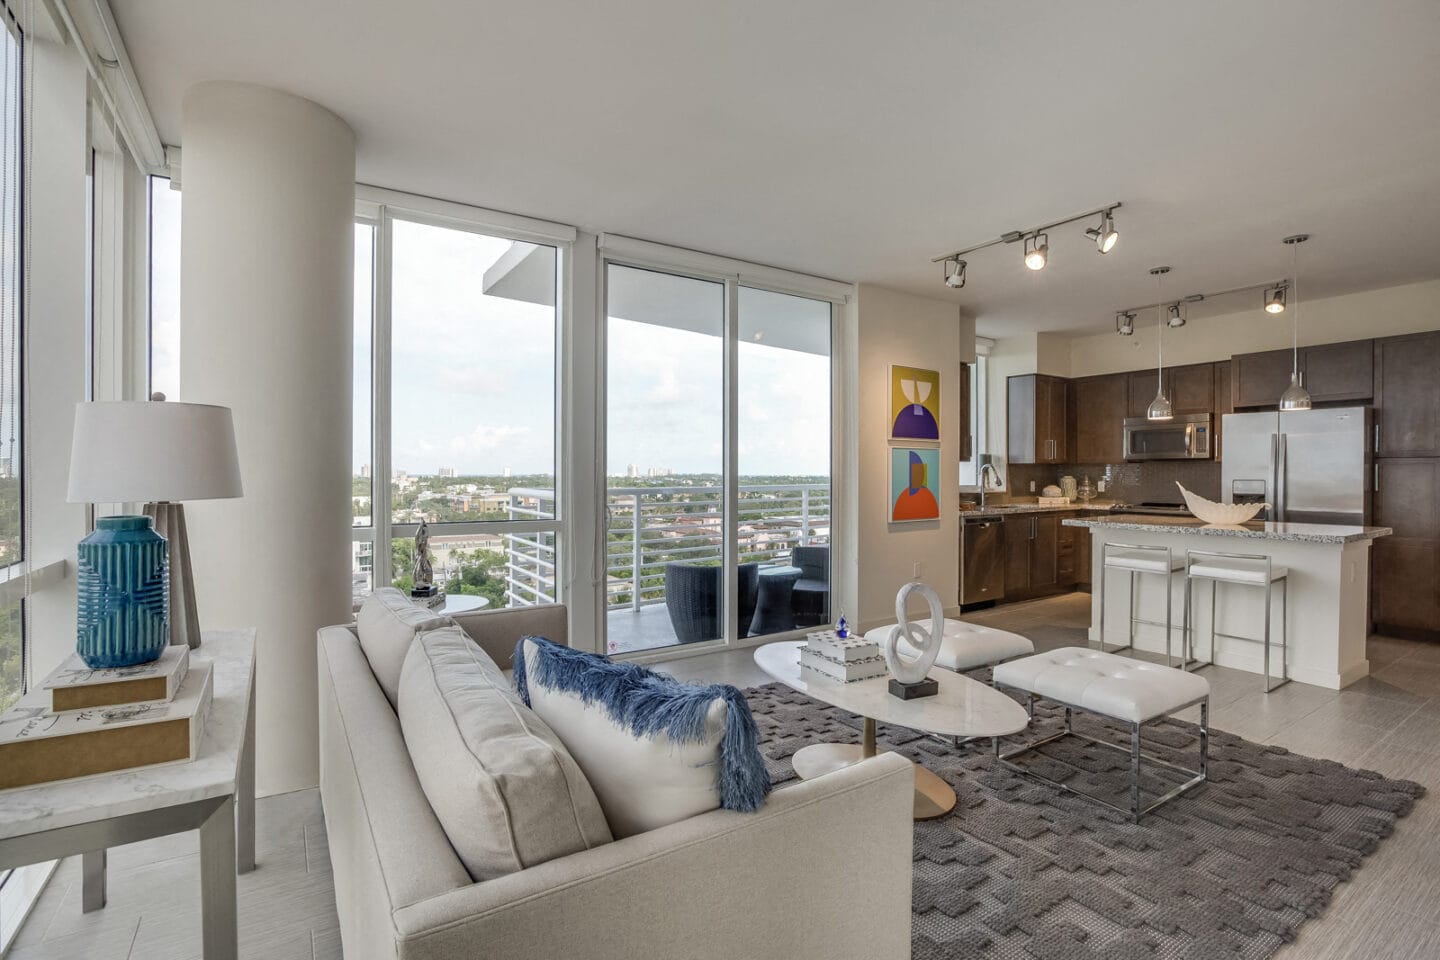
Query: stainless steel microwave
(1185,437)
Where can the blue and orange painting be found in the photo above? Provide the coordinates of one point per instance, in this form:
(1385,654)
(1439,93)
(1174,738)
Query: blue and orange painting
(914,404)
(914,475)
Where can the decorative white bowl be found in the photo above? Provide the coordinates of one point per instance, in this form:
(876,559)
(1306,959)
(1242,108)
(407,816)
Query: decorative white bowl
(1052,491)
(1220,514)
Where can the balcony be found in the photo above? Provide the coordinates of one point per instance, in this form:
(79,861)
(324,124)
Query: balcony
(649,526)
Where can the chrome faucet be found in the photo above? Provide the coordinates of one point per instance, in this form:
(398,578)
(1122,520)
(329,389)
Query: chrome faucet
(987,469)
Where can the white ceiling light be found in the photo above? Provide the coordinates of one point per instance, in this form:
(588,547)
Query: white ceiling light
(1037,251)
(1104,235)
(1275,299)
(1125,323)
(955,273)
(1295,396)
(1160,408)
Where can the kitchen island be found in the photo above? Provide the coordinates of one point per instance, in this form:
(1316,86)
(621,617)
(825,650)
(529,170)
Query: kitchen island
(1329,574)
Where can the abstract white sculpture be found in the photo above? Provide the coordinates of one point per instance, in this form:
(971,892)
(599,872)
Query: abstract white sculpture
(911,675)
(1219,514)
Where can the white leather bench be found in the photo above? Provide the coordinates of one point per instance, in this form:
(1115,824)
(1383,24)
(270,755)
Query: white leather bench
(1131,691)
(963,646)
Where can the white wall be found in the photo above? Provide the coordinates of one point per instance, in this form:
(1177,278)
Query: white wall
(1373,313)
(267,262)
(57,338)
(914,331)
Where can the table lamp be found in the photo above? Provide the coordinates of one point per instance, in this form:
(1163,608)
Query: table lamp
(137,592)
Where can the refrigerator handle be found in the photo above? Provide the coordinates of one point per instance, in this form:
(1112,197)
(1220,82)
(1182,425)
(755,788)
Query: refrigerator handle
(1282,479)
(1272,486)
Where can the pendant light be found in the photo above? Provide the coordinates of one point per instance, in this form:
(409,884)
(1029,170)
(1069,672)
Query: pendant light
(1295,396)
(1160,408)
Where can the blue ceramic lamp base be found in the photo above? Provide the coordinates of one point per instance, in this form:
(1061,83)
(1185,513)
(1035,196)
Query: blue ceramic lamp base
(123,581)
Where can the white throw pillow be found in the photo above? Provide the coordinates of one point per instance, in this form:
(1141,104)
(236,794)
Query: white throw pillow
(387,624)
(504,788)
(655,750)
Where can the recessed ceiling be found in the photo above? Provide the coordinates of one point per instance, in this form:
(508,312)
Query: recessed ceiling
(857,140)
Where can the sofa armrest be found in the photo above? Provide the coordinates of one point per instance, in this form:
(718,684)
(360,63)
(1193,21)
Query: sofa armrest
(822,871)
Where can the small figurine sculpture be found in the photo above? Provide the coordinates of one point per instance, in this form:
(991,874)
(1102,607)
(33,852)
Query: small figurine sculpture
(424,575)
(842,629)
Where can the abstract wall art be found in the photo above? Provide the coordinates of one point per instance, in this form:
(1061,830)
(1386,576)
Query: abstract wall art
(914,404)
(914,484)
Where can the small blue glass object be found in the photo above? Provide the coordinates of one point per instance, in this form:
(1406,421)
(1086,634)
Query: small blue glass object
(842,629)
(123,582)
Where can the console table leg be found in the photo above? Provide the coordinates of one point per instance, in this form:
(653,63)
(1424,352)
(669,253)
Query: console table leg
(220,934)
(245,795)
(92,880)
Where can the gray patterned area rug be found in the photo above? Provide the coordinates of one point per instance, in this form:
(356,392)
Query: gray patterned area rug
(1022,871)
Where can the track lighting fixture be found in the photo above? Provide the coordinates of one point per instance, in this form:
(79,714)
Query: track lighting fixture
(1295,397)
(1036,243)
(1104,235)
(955,273)
(1037,251)
(1275,299)
(1160,408)
(1125,323)
(1177,315)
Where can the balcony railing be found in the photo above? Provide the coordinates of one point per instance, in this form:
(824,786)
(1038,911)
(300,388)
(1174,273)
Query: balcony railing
(650,526)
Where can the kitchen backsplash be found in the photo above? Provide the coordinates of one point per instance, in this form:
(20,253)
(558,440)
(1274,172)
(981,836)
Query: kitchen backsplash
(1127,482)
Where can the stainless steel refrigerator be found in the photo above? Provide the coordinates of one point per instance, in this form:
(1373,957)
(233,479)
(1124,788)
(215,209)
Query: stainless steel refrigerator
(1311,466)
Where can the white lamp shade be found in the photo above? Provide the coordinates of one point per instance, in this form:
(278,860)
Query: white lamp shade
(152,450)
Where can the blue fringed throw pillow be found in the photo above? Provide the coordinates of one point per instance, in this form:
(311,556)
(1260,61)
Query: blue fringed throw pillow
(655,750)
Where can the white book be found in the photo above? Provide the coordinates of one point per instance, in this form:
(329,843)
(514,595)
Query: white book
(850,671)
(38,746)
(75,686)
(828,644)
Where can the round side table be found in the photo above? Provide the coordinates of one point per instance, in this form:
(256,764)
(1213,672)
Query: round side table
(774,612)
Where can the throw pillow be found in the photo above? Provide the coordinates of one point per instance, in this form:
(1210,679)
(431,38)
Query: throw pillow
(386,624)
(656,750)
(504,788)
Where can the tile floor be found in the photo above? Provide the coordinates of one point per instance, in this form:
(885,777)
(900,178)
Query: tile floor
(1388,722)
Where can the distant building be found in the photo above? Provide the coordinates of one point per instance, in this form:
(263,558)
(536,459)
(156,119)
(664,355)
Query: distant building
(633,471)
(507,473)
(365,470)
(447,472)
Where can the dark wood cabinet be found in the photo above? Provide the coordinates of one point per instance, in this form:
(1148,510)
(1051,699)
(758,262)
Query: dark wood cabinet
(1036,419)
(1044,551)
(1222,405)
(1141,390)
(1016,535)
(967,436)
(1405,574)
(1032,555)
(1258,379)
(1192,388)
(1098,407)
(1407,391)
(1339,372)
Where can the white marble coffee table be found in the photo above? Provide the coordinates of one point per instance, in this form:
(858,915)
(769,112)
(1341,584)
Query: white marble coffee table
(214,794)
(963,708)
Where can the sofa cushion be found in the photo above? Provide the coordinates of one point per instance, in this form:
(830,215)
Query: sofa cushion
(386,624)
(501,783)
(656,750)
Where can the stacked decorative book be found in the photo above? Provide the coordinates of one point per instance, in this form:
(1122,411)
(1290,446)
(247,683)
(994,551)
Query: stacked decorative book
(80,721)
(846,659)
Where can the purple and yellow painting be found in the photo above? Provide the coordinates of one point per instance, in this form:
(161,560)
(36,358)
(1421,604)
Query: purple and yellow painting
(913,478)
(914,404)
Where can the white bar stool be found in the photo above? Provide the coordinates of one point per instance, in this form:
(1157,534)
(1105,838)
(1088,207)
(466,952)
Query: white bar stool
(1246,570)
(1137,560)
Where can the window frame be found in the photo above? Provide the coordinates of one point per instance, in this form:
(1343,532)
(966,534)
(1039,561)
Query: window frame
(979,412)
(381,209)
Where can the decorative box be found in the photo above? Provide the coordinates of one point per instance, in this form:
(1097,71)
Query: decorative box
(75,686)
(846,671)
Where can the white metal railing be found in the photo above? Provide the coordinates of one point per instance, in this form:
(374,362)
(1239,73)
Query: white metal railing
(648,527)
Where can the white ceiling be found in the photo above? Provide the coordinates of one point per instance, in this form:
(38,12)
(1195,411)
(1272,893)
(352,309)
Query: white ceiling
(856,140)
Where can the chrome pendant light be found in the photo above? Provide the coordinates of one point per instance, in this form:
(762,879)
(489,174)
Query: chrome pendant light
(1295,397)
(1160,408)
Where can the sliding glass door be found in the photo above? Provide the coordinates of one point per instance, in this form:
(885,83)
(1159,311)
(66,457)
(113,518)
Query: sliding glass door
(717,460)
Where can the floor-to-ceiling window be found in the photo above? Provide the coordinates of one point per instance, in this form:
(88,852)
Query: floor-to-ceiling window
(717,459)
(12,438)
(164,289)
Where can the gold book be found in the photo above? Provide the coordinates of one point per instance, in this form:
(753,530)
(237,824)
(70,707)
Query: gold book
(74,686)
(40,746)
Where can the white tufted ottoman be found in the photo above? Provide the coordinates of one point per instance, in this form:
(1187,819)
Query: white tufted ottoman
(1132,691)
(963,646)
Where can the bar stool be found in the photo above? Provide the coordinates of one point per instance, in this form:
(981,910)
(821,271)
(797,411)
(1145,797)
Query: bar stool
(1246,570)
(1137,560)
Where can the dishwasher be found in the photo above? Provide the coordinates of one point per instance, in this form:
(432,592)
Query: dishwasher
(982,560)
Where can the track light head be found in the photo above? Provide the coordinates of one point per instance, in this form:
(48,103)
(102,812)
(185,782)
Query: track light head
(1125,323)
(955,273)
(1275,299)
(1037,251)
(1104,235)
(1177,316)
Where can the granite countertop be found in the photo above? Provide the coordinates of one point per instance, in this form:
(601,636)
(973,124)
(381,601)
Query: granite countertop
(1007,509)
(1254,530)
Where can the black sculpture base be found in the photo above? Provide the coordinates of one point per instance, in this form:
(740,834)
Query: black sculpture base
(429,591)
(914,691)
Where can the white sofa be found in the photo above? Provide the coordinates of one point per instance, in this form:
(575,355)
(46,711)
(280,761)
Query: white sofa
(823,871)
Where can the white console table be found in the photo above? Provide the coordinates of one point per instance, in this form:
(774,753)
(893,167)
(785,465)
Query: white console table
(214,793)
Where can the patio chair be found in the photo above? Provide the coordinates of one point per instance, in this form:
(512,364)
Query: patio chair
(692,596)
